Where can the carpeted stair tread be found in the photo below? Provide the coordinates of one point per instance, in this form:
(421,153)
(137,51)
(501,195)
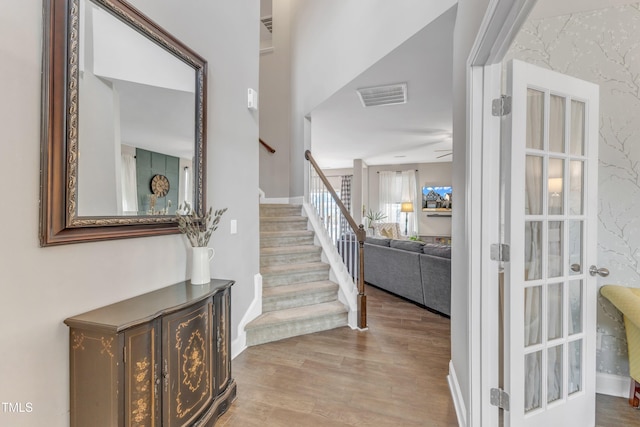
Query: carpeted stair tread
(291,254)
(298,295)
(296,218)
(297,314)
(284,223)
(289,238)
(300,288)
(286,234)
(278,209)
(293,249)
(294,268)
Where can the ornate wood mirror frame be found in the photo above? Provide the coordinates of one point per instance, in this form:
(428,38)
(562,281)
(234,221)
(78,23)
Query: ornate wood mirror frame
(60,222)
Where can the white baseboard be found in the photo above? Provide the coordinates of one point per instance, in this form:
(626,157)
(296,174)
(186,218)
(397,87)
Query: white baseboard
(255,309)
(612,385)
(456,395)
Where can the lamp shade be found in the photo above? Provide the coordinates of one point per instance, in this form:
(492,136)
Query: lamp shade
(555,185)
(406,207)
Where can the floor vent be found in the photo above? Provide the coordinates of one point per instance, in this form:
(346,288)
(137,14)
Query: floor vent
(383,95)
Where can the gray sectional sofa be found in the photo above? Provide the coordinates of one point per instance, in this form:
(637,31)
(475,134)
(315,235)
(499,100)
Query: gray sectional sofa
(420,272)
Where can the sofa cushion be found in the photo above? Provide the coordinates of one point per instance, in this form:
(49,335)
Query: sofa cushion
(436,282)
(394,270)
(436,249)
(407,245)
(380,241)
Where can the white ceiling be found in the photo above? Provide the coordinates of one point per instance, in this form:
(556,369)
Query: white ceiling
(416,132)
(155,89)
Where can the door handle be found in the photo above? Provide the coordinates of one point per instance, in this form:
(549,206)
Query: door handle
(575,268)
(602,272)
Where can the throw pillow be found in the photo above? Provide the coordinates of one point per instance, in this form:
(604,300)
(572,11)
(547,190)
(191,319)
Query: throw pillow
(387,229)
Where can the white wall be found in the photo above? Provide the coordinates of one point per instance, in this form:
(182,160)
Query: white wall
(470,15)
(97,179)
(42,286)
(333,41)
(275,105)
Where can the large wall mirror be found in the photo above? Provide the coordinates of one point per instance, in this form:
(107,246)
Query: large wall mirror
(123,141)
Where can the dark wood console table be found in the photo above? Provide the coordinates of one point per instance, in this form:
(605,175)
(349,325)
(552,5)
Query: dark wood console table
(158,359)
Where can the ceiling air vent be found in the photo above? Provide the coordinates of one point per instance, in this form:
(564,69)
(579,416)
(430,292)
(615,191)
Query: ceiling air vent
(383,95)
(268,22)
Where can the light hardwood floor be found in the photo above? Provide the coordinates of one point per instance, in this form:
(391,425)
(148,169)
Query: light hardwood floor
(394,374)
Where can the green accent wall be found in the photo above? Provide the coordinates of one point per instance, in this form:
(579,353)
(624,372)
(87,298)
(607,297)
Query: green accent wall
(149,164)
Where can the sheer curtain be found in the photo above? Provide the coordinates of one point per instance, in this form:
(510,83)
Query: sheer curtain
(129,185)
(534,253)
(395,188)
(533,248)
(345,197)
(389,195)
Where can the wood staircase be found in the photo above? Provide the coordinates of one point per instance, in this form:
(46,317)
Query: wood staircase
(297,297)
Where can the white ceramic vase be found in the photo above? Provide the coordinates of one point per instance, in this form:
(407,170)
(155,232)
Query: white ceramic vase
(200,271)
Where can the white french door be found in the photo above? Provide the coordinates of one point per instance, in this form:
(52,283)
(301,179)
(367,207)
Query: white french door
(550,225)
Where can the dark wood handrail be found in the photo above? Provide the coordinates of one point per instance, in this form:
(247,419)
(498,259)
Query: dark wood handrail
(360,233)
(267,146)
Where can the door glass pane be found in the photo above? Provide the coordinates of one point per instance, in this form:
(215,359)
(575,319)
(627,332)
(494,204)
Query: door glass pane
(533,196)
(554,311)
(532,315)
(556,251)
(575,366)
(576,178)
(554,373)
(532,250)
(555,186)
(575,307)
(575,247)
(535,119)
(577,127)
(532,384)
(556,123)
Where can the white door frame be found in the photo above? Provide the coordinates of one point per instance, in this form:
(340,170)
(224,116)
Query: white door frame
(501,23)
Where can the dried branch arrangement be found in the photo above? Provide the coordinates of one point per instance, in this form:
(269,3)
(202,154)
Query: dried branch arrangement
(198,229)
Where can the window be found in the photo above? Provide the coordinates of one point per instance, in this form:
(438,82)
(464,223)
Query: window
(397,188)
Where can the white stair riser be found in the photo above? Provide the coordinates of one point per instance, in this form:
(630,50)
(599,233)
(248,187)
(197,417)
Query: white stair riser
(307,326)
(282,303)
(297,277)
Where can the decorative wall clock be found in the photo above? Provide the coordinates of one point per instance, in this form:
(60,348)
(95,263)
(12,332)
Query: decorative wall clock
(159,185)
